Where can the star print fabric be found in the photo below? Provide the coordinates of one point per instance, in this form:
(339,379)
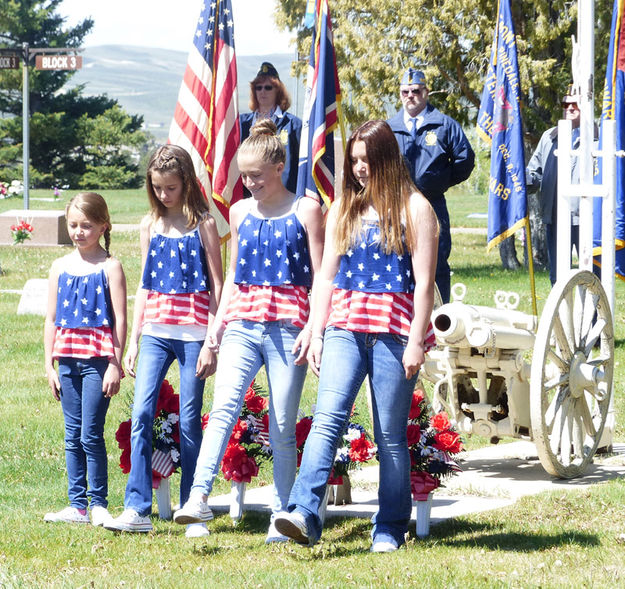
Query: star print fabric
(176,265)
(366,268)
(83,317)
(82,301)
(273,252)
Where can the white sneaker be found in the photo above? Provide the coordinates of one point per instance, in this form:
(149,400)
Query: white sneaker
(99,515)
(129,521)
(274,536)
(194,511)
(383,546)
(197,530)
(293,525)
(69,515)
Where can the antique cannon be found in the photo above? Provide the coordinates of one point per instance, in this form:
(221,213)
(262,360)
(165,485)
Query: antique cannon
(496,376)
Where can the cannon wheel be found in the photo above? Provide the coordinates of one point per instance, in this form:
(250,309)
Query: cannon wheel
(571,376)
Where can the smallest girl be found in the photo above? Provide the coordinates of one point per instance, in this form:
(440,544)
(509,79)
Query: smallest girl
(85,331)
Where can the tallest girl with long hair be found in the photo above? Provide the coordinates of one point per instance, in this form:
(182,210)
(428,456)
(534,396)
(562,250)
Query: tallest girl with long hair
(372,302)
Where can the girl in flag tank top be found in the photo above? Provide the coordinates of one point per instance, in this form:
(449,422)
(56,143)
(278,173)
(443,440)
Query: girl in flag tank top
(372,302)
(85,332)
(276,245)
(174,308)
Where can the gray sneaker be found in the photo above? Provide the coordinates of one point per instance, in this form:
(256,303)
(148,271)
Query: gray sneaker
(129,521)
(293,525)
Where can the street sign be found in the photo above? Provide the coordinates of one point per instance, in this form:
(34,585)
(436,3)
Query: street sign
(9,62)
(58,62)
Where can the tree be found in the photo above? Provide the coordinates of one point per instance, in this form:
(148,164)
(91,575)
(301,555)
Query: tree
(451,41)
(58,152)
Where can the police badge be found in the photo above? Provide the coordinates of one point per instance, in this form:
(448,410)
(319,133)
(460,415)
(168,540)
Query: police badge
(430,138)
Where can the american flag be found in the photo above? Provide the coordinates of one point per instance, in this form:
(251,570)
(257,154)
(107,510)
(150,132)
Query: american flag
(315,176)
(206,119)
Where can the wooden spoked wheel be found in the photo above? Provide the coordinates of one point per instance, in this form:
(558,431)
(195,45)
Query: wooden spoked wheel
(571,376)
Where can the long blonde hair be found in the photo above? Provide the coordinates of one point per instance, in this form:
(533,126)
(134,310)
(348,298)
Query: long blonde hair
(93,206)
(172,159)
(388,191)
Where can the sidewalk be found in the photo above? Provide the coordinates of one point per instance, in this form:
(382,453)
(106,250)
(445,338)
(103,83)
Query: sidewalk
(492,477)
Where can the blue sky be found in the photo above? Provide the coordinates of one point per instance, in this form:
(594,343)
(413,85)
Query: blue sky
(170,25)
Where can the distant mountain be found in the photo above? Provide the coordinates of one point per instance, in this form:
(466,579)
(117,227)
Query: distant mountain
(146,81)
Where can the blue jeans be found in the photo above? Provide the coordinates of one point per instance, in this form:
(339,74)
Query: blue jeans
(155,357)
(84,410)
(348,357)
(245,347)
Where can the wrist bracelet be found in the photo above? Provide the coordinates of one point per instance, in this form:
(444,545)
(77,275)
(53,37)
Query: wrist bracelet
(316,337)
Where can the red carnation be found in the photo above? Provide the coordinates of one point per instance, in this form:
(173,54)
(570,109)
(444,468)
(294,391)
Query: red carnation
(240,427)
(448,442)
(302,429)
(168,401)
(255,403)
(122,435)
(415,407)
(413,433)
(360,449)
(440,422)
(204,421)
(124,460)
(237,465)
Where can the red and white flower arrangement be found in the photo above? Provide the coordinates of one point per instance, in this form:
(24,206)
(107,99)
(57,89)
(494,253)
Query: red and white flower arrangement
(355,447)
(165,436)
(249,445)
(433,443)
(21,231)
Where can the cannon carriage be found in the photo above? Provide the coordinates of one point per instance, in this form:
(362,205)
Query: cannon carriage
(503,373)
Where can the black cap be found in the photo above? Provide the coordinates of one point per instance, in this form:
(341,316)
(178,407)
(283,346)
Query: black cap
(267,69)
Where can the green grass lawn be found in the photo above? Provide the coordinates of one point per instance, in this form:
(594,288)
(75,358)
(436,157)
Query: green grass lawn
(555,539)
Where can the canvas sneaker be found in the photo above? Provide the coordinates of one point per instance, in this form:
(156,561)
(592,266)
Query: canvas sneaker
(100,515)
(293,525)
(129,521)
(384,543)
(274,536)
(194,511)
(197,530)
(69,515)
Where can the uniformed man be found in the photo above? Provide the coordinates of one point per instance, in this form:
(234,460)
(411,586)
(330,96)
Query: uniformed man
(438,155)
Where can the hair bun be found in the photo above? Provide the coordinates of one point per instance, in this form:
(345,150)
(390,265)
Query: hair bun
(263,127)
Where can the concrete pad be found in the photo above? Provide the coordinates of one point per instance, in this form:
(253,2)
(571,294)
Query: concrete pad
(492,477)
(34,299)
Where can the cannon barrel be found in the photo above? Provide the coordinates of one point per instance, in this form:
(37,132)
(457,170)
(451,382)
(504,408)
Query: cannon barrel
(460,325)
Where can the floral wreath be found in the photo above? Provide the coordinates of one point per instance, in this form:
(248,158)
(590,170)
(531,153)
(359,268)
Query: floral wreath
(433,443)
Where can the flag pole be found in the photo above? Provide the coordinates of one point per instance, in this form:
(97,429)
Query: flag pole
(530,266)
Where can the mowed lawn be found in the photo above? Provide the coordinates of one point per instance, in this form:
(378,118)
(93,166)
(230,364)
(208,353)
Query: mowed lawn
(558,539)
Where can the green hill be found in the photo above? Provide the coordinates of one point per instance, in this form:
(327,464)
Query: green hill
(146,81)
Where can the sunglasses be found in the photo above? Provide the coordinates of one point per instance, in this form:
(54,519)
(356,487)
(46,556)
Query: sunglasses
(413,91)
(267,87)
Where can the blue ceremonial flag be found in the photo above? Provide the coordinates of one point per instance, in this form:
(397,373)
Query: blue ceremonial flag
(614,109)
(315,175)
(499,123)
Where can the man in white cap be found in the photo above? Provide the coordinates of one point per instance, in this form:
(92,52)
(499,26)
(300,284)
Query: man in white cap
(542,174)
(438,155)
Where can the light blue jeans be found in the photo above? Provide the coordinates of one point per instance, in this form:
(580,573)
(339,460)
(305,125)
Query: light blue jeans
(348,358)
(245,347)
(155,357)
(84,410)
